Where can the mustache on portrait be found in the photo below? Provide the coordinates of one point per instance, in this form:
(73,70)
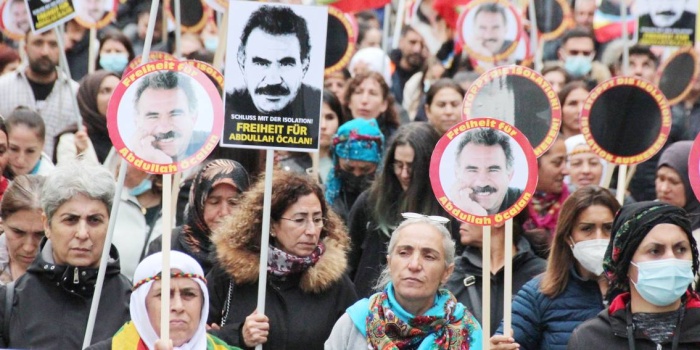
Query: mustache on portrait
(666,13)
(273,90)
(483,189)
(167,135)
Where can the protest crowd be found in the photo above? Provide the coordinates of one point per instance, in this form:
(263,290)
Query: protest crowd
(362,254)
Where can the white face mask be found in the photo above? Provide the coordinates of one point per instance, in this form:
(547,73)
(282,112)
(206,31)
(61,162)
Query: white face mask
(590,254)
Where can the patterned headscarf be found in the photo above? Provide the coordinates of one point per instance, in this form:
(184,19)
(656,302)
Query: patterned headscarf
(632,223)
(196,232)
(576,141)
(358,139)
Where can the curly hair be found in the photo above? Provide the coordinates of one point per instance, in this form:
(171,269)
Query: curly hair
(287,188)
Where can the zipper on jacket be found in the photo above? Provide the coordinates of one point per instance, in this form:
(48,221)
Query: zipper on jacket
(76,279)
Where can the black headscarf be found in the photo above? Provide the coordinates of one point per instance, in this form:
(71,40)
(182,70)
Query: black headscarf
(95,123)
(676,158)
(632,223)
(195,232)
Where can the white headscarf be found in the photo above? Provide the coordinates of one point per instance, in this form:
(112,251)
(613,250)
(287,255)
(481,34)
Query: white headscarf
(150,267)
(376,60)
(577,140)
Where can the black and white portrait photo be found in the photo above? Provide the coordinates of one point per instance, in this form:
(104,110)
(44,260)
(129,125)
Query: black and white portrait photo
(666,22)
(274,75)
(273,56)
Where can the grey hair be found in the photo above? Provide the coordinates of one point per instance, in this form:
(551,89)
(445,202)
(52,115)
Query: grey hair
(448,245)
(77,177)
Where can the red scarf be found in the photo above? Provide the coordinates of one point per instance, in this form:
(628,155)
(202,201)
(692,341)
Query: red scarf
(544,209)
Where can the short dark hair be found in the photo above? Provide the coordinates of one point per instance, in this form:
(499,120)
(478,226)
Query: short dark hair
(408,28)
(118,36)
(487,137)
(443,83)
(168,80)
(278,20)
(492,8)
(333,102)
(577,32)
(641,50)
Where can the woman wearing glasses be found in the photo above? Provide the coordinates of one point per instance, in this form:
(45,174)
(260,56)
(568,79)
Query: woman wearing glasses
(402,186)
(307,290)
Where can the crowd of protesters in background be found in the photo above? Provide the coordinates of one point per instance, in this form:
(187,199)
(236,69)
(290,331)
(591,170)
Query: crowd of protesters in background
(358,241)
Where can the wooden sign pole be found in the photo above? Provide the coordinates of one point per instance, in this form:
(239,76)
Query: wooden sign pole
(486,285)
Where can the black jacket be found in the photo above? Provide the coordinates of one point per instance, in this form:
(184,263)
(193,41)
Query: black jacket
(50,310)
(608,330)
(302,308)
(177,243)
(298,320)
(466,280)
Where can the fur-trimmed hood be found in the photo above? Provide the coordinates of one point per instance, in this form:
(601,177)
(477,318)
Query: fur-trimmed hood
(239,256)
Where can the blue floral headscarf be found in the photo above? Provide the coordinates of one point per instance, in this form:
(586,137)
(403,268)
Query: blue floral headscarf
(358,139)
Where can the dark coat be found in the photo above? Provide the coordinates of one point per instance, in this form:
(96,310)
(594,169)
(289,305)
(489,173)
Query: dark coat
(368,247)
(298,319)
(540,322)
(609,329)
(177,244)
(302,308)
(466,280)
(50,311)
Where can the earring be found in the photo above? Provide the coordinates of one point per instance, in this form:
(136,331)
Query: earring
(272,234)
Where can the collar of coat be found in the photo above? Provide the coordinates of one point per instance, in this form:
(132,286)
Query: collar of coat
(239,257)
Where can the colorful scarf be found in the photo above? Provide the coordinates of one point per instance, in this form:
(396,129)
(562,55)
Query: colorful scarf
(387,326)
(280,263)
(195,231)
(544,209)
(127,338)
(358,139)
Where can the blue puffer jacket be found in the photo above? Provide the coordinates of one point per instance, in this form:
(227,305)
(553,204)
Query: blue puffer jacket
(540,322)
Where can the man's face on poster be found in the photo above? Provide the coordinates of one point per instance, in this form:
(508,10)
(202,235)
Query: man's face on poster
(483,175)
(664,13)
(273,69)
(19,14)
(165,115)
(91,10)
(490,30)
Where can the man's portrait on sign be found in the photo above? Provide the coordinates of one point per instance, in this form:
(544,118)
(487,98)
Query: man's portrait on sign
(274,57)
(170,117)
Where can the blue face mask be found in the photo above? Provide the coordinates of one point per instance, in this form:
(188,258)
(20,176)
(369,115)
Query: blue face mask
(141,188)
(662,282)
(578,65)
(114,62)
(211,43)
